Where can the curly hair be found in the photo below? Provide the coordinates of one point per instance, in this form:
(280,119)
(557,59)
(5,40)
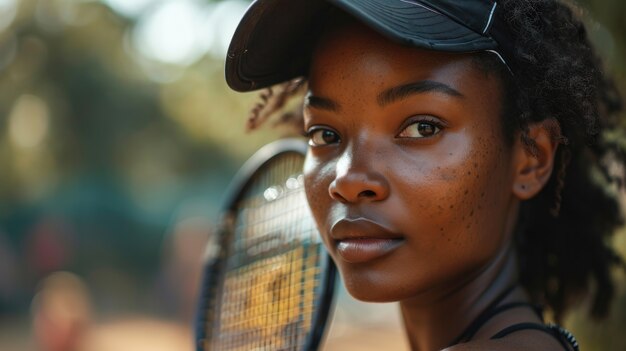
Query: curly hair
(559,76)
(562,234)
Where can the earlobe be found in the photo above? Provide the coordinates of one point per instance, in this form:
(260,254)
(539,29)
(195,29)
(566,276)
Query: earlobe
(534,154)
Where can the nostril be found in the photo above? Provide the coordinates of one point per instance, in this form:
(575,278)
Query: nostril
(354,189)
(367,193)
(338,197)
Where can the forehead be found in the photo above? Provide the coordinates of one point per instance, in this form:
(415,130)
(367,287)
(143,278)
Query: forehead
(349,53)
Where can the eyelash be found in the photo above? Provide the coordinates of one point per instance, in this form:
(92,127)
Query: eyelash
(436,123)
(311,133)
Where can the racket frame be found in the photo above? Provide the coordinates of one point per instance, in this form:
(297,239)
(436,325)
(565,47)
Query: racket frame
(216,256)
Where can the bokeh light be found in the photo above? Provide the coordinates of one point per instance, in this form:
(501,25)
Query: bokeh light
(8,10)
(171,32)
(181,32)
(130,8)
(28,121)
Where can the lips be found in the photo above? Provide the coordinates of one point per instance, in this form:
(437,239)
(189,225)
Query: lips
(362,240)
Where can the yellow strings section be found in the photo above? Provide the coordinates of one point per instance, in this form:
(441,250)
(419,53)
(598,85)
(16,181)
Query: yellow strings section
(269,304)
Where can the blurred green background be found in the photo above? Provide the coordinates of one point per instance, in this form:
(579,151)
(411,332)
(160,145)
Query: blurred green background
(118,137)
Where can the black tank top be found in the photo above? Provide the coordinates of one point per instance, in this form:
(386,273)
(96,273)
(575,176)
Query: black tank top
(564,337)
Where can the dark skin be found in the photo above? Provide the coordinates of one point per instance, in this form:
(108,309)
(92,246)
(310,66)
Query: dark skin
(414,188)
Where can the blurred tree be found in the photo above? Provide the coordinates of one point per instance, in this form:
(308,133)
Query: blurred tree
(95,152)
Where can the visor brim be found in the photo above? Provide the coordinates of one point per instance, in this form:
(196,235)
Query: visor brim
(274,40)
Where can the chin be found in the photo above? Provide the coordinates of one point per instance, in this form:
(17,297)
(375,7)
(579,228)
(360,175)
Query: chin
(371,286)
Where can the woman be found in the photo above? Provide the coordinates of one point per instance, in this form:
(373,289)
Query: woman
(457,159)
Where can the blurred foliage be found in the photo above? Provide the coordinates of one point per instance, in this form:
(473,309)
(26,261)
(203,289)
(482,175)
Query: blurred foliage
(103,151)
(607,30)
(98,161)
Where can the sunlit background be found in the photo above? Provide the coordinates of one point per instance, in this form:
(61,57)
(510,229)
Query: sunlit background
(118,137)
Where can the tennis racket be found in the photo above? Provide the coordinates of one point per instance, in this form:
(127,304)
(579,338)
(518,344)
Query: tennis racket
(268,282)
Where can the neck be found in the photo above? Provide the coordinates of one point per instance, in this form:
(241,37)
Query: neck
(433,323)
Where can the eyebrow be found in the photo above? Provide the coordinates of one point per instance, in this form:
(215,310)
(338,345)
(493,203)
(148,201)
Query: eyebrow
(403,91)
(321,103)
(388,96)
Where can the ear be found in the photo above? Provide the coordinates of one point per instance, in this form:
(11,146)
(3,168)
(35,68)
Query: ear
(534,155)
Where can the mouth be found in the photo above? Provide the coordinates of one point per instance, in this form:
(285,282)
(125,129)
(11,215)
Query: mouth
(362,240)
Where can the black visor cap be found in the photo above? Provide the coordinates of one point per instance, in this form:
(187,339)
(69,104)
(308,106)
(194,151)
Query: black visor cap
(274,40)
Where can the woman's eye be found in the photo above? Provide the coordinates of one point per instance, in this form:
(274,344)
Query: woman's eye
(321,136)
(420,129)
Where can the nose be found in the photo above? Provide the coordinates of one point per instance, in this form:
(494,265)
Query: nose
(357,181)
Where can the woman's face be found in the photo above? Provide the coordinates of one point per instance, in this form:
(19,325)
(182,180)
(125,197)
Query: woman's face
(408,175)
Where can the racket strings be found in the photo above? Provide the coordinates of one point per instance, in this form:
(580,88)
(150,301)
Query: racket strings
(263,230)
(268,305)
(272,278)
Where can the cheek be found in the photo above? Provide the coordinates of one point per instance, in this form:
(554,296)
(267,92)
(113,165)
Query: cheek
(485,202)
(457,203)
(472,201)
(317,178)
